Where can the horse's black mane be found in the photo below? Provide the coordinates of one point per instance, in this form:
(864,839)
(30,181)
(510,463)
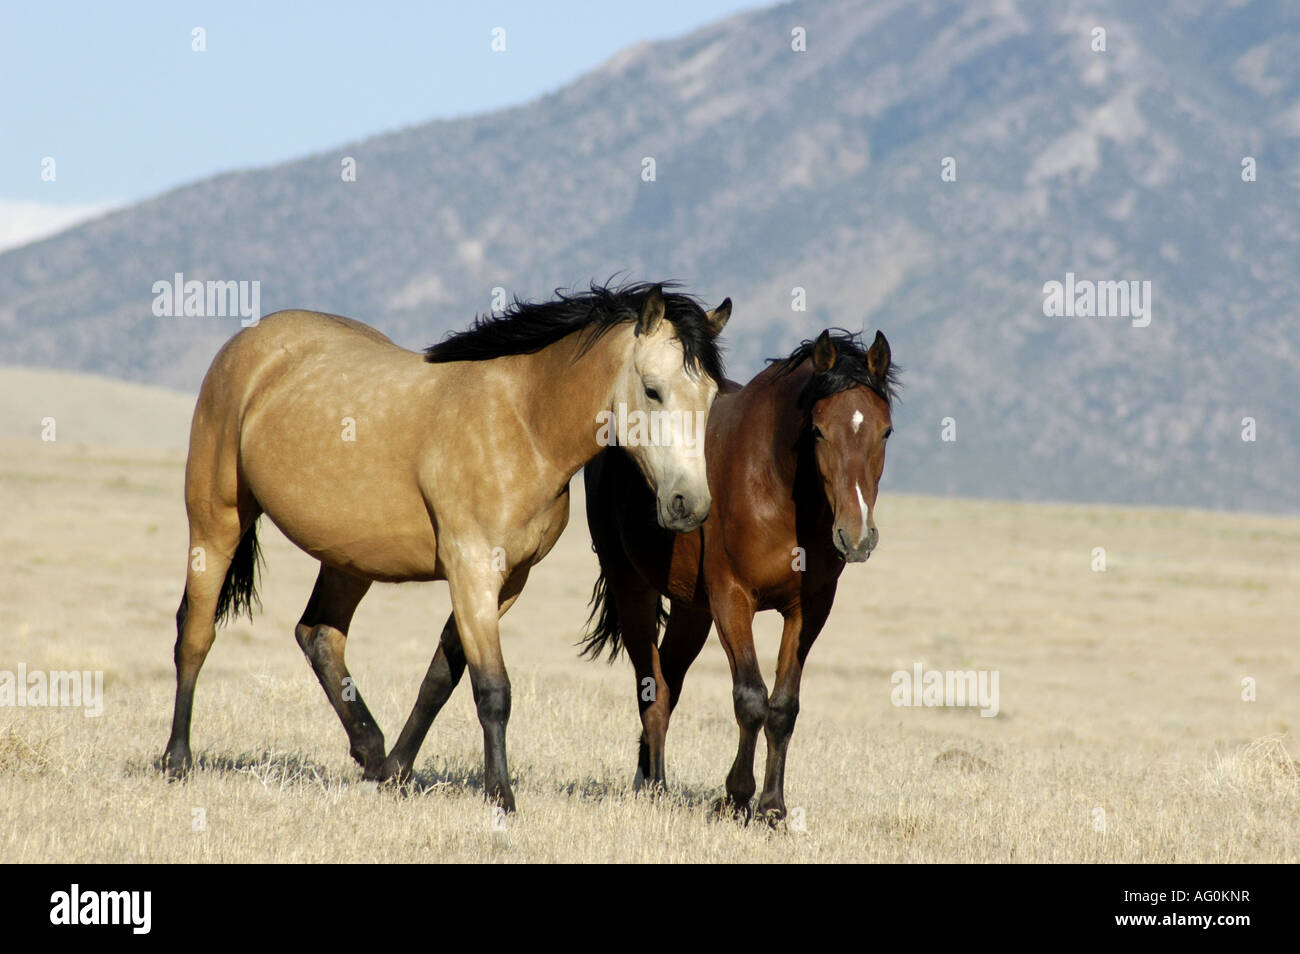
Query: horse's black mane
(850,370)
(527,327)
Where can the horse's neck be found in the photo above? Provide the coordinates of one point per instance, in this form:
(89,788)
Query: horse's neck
(776,402)
(569,388)
(777,431)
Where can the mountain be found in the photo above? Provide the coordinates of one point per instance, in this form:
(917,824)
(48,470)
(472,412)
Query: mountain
(821,169)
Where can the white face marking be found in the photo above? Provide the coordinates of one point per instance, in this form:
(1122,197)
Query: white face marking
(669,448)
(863,505)
(857,422)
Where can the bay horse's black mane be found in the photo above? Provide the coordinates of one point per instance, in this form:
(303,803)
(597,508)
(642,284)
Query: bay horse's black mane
(527,327)
(850,369)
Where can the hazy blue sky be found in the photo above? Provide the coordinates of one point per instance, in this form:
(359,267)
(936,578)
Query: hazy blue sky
(115,94)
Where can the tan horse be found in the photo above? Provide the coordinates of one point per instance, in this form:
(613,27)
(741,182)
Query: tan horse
(386,464)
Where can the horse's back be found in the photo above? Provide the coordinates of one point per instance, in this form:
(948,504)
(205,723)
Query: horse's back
(297,321)
(306,332)
(297,348)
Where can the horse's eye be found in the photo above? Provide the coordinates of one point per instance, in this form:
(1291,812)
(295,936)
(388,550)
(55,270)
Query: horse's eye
(652,394)
(888,431)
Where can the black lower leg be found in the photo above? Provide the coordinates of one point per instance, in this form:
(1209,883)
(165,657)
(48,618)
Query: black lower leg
(323,646)
(750,700)
(444,674)
(781,716)
(176,761)
(642,760)
(492,697)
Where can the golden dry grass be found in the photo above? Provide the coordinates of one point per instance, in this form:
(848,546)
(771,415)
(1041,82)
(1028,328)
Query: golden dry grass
(1120,691)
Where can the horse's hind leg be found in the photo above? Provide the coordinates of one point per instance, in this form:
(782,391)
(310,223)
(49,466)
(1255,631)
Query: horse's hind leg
(685,634)
(213,548)
(195,632)
(322,633)
(637,605)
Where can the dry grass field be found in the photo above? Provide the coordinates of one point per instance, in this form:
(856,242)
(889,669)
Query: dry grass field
(1120,690)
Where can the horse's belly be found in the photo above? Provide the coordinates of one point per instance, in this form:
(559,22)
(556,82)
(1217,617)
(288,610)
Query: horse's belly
(389,555)
(347,516)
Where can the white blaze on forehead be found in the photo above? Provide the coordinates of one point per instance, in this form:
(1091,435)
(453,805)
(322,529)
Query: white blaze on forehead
(857,422)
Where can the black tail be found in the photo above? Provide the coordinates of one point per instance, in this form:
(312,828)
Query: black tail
(602,624)
(603,627)
(239,590)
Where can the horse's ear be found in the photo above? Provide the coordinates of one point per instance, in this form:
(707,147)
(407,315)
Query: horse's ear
(652,312)
(878,357)
(823,353)
(717,318)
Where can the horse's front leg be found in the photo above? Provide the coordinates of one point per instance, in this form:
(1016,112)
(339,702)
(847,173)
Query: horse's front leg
(733,611)
(476,588)
(444,674)
(802,624)
(439,682)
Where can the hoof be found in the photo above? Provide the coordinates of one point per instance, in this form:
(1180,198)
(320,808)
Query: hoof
(649,787)
(771,810)
(394,774)
(371,760)
(772,817)
(727,808)
(505,800)
(177,764)
(369,753)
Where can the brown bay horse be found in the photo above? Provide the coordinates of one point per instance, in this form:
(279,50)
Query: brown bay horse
(387,464)
(794,465)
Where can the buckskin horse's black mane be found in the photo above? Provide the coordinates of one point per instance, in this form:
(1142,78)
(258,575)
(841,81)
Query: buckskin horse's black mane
(527,327)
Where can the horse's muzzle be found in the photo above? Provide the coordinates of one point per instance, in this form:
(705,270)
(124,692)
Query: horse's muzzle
(681,513)
(859,551)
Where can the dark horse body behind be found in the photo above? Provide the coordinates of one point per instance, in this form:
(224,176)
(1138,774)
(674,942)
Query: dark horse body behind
(794,461)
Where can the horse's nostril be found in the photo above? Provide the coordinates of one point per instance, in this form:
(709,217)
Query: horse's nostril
(677,505)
